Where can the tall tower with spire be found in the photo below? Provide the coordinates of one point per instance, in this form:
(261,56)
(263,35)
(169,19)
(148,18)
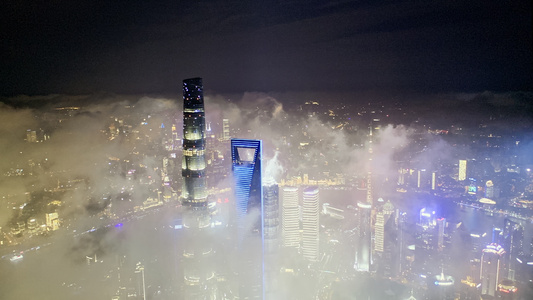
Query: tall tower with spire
(197,249)
(194,189)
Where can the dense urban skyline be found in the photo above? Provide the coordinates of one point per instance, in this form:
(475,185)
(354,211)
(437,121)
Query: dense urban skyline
(341,150)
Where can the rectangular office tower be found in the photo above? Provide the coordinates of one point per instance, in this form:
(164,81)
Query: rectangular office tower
(194,190)
(310,235)
(490,269)
(246,166)
(290,213)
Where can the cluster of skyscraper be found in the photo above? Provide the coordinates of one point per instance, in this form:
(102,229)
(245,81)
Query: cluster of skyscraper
(257,216)
(501,258)
(268,218)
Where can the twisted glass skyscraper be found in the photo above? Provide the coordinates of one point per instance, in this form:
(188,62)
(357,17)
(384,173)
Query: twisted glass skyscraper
(194,190)
(197,250)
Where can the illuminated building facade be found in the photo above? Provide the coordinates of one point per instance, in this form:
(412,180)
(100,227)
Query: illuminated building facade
(490,269)
(497,235)
(310,213)
(197,251)
(225,130)
(462,170)
(441,224)
(363,247)
(390,260)
(489,189)
(290,217)
(513,243)
(427,218)
(194,189)
(271,216)
(246,166)
(382,217)
(379,229)
(52,221)
(507,289)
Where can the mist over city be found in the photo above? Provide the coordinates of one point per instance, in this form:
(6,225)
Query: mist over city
(266,150)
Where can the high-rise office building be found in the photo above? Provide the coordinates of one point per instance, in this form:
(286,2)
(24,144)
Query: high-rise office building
(489,189)
(513,243)
(392,246)
(490,269)
(52,221)
(290,217)
(363,247)
(310,213)
(441,224)
(379,232)
(246,165)
(271,216)
(197,251)
(194,189)
(382,217)
(225,130)
(462,170)
(247,172)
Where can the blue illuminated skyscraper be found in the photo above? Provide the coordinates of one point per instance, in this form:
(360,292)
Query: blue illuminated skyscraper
(246,166)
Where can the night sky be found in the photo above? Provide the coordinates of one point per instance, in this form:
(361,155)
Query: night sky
(76,46)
